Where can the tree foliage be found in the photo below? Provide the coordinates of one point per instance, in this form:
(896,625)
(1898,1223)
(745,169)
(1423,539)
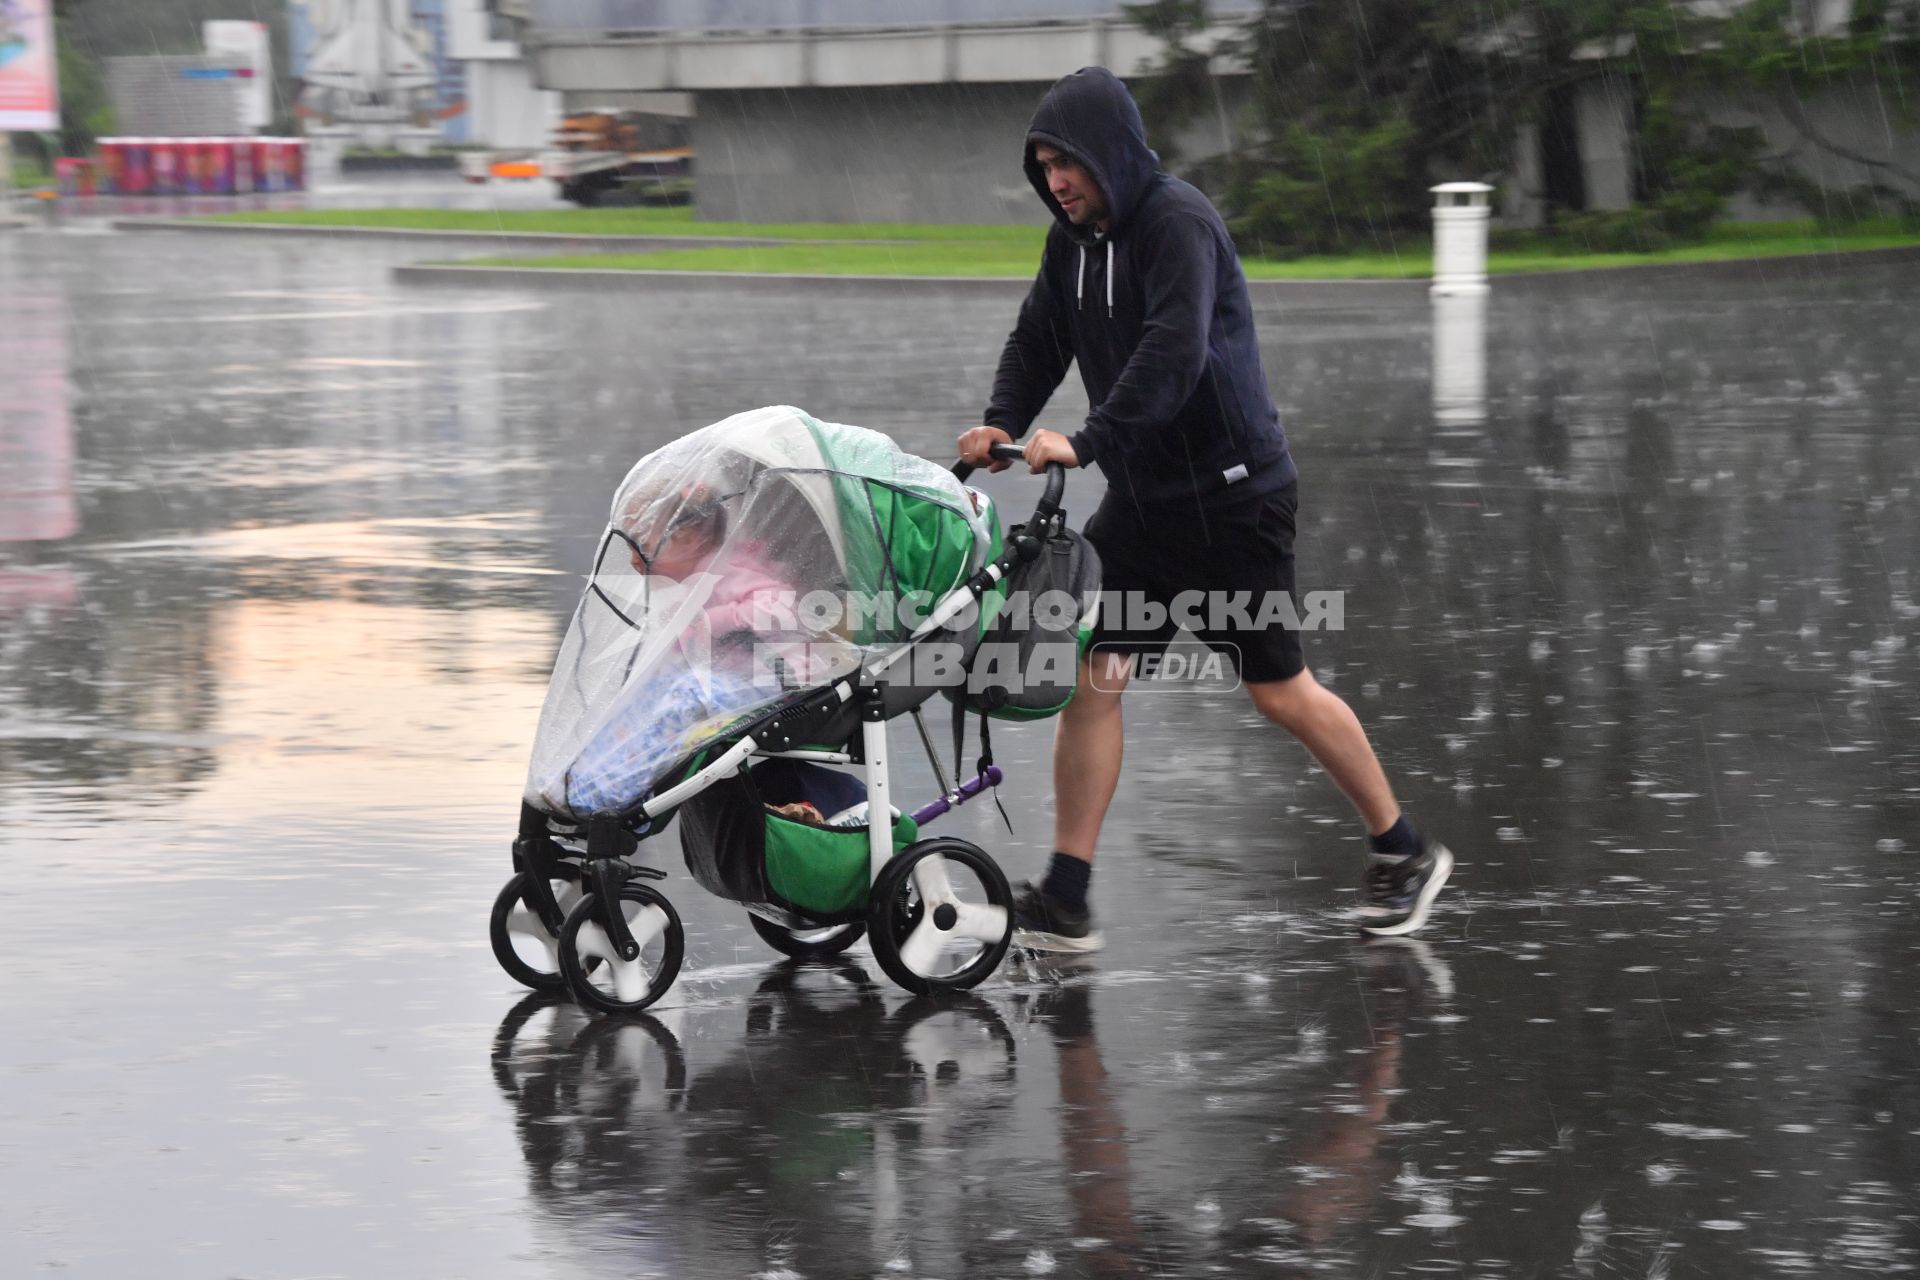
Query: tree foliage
(1182,86)
(1358,106)
(116,28)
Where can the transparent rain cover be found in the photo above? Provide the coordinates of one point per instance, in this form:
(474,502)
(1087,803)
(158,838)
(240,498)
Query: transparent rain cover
(762,555)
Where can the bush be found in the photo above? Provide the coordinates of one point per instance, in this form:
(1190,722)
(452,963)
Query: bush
(1688,172)
(29,172)
(1328,194)
(1636,230)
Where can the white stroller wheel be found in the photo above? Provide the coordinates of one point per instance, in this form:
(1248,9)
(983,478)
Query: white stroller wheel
(522,943)
(599,977)
(939,916)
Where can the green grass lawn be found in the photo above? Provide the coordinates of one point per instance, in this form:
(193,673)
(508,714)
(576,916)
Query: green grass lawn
(937,250)
(1415,261)
(27,174)
(628,222)
(962,258)
(1528,251)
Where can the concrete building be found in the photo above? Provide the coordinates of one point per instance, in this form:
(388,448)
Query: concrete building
(179,95)
(912,110)
(839,110)
(505,109)
(1856,118)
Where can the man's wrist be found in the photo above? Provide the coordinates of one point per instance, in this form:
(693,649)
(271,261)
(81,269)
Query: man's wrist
(1083,447)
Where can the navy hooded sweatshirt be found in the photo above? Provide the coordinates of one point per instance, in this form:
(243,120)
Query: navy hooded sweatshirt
(1156,313)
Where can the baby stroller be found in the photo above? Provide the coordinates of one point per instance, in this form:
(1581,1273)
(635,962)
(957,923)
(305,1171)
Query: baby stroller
(770,592)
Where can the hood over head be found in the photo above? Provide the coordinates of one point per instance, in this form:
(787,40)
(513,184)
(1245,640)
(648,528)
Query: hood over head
(1091,116)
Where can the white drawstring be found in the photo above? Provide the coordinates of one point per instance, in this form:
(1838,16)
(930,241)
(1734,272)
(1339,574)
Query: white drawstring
(1109,279)
(1080,278)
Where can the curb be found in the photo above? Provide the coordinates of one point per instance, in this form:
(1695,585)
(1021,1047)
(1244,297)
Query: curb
(563,278)
(457,276)
(1779,266)
(1784,268)
(545,240)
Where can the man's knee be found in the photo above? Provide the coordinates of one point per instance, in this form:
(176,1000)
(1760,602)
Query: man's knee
(1103,678)
(1285,702)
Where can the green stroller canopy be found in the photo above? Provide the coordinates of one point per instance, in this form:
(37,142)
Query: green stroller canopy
(764,554)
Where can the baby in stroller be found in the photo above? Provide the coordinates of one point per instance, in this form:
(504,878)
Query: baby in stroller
(683,535)
(730,648)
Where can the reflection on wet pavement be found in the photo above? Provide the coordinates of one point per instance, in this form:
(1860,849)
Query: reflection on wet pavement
(289,552)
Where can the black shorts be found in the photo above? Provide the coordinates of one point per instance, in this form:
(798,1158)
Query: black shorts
(1242,554)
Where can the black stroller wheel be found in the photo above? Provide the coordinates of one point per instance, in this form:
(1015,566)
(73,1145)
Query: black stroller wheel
(521,942)
(931,934)
(595,973)
(807,944)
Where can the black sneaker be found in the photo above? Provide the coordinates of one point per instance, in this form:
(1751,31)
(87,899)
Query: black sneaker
(1400,891)
(1042,924)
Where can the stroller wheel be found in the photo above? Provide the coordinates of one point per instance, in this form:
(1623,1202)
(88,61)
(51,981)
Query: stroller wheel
(939,916)
(594,971)
(807,944)
(521,942)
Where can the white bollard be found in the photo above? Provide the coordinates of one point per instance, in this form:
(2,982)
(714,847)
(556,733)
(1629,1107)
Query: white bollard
(1460,217)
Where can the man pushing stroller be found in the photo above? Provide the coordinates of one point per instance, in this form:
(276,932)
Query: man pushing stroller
(1140,285)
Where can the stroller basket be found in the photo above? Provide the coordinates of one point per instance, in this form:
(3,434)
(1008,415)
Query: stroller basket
(738,848)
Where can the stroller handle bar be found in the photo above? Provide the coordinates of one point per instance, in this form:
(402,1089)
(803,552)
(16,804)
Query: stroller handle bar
(1056,480)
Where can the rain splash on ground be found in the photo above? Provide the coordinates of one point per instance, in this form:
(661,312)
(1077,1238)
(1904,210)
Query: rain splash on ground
(1631,632)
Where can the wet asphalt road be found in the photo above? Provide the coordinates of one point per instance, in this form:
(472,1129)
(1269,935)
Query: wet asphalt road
(281,595)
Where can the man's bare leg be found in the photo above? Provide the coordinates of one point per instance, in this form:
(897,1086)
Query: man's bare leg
(1405,873)
(1087,750)
(1327,727)
(1051,914)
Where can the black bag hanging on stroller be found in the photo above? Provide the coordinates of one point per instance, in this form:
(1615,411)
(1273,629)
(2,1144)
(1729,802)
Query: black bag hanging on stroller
(1035,628)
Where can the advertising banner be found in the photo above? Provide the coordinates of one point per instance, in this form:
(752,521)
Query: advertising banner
(29,92)
(249,41)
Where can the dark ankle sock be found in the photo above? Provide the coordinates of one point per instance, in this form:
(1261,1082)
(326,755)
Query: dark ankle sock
(1397,841)
(1066,880)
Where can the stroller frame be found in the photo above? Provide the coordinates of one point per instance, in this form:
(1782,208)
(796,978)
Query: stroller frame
(911,903)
